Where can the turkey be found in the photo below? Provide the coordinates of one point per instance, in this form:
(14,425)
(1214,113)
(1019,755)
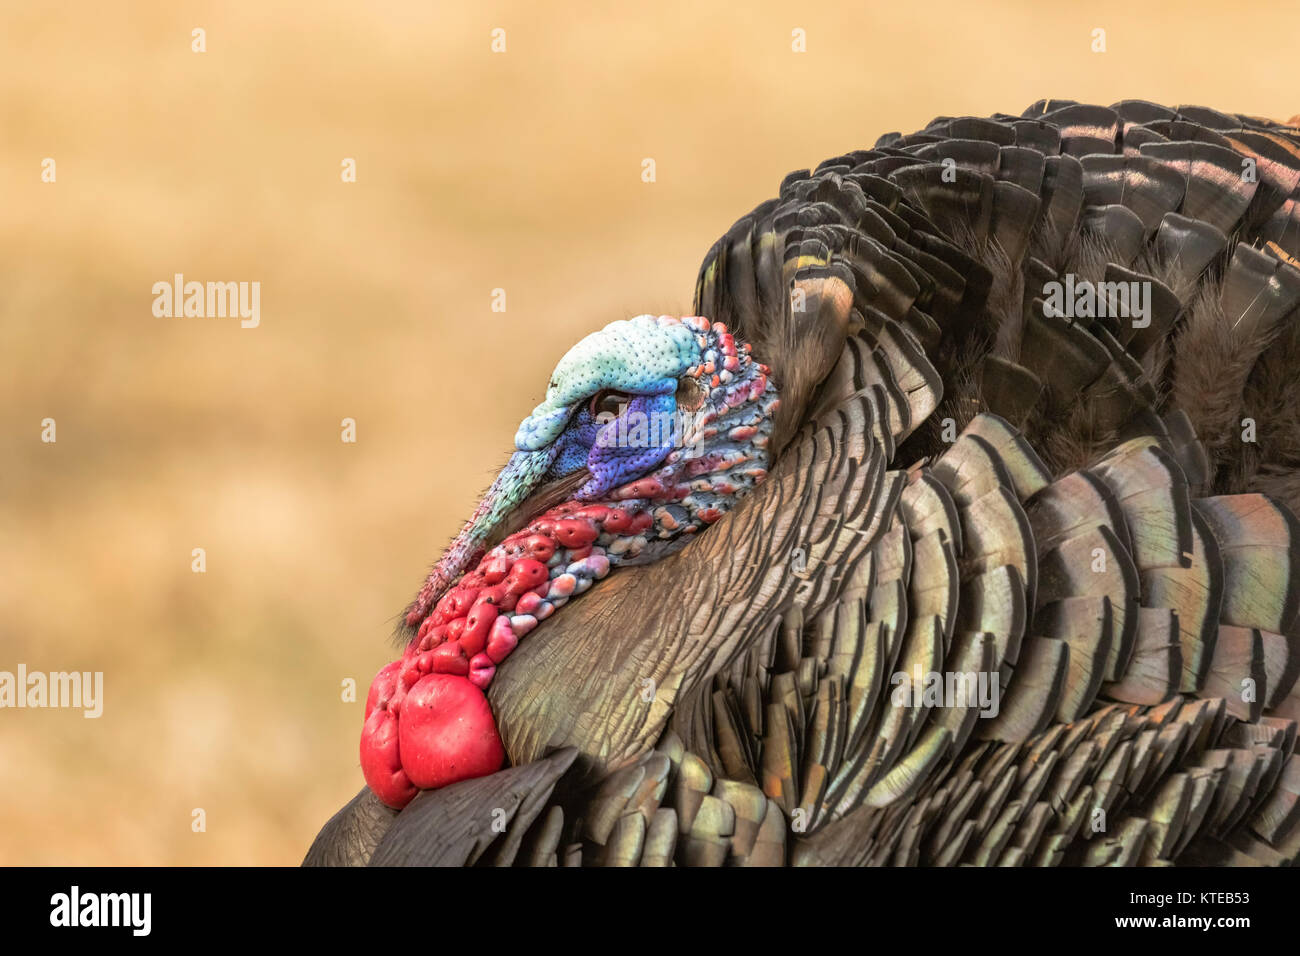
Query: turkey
(956,526)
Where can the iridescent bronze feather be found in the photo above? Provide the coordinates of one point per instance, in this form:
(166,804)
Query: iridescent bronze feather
(1022,584)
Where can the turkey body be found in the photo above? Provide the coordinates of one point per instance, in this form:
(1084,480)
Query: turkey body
(1021,586)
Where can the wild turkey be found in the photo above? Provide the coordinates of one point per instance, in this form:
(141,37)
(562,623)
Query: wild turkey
(1030,416)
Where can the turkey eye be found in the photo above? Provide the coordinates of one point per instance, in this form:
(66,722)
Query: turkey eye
(608,402)
(689,394)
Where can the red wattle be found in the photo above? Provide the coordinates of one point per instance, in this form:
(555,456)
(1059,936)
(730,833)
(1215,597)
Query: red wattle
(478,623)
(383,686)
(481,671)
(381,761)
(428,723)
(446,733)
(448,658)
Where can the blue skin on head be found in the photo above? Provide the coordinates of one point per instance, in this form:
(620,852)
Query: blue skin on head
(620,449)
(644,359)
(640,357)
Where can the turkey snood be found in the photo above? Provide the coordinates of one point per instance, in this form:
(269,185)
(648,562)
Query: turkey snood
(651,430)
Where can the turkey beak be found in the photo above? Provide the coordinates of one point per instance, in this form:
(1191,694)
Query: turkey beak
(504,502)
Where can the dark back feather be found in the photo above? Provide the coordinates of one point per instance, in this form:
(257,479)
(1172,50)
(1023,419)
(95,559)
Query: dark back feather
(1096,511)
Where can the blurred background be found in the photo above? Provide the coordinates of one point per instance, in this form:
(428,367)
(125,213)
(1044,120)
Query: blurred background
(475,171)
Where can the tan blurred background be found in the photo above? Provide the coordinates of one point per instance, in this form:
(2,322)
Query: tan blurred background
(475,171)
